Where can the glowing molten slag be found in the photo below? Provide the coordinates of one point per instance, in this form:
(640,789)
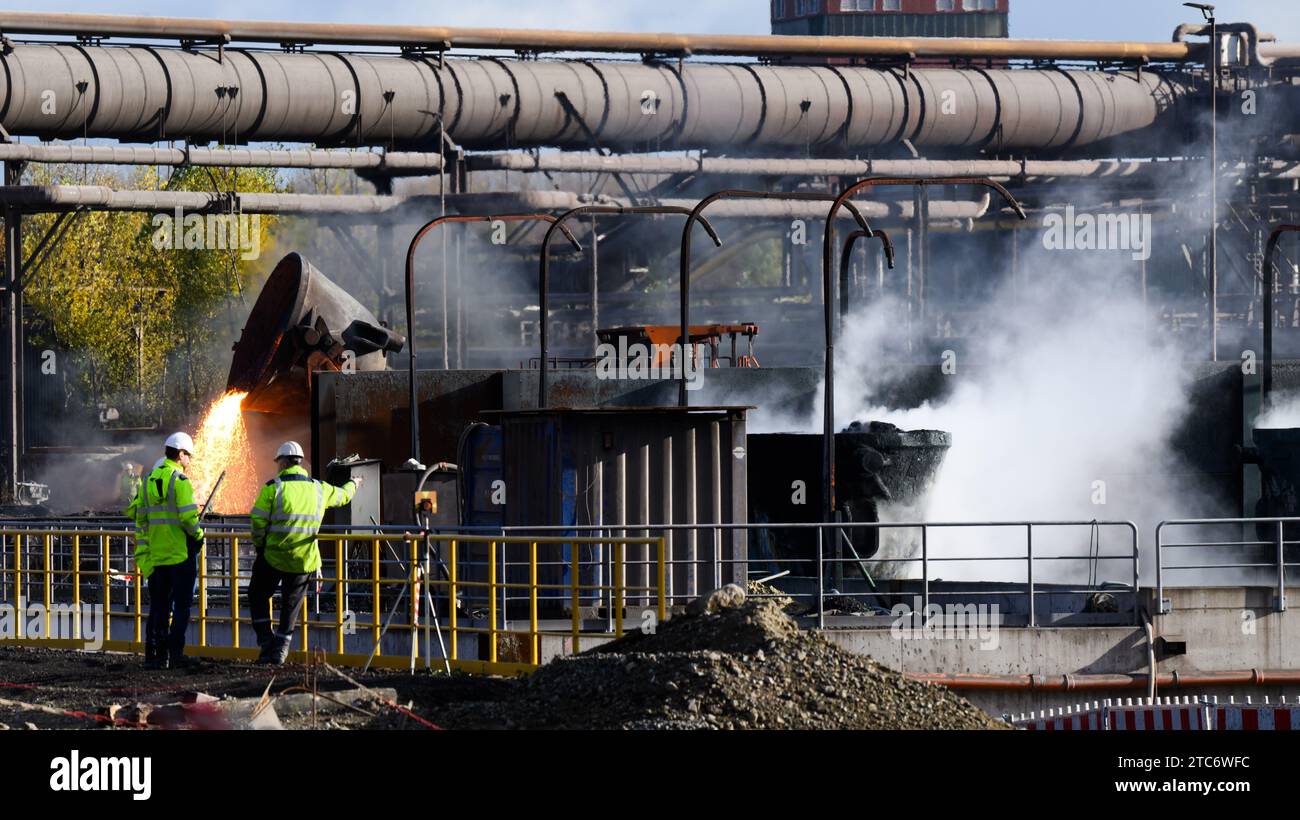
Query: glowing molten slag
(221,443)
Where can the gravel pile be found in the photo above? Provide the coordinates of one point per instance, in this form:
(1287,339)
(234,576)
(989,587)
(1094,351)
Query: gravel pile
(743,667)
(735,664)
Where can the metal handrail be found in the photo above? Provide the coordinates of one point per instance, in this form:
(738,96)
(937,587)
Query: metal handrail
(925,559)
(1164,606)
(54,567)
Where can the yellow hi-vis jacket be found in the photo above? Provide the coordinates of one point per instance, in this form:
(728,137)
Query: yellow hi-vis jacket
(172,516)
(288,514)
(140,522)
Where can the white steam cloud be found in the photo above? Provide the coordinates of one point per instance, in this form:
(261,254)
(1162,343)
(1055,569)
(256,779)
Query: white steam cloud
(1062,410)
(1283,413)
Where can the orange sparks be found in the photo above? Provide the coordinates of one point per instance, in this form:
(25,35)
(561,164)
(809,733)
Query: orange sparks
(221,443)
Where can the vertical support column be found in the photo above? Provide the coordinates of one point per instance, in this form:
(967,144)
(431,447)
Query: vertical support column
(442,197)
(460,300)
(644,553)
(911,288)
(619,523)
(1214,188)
(595,285)
(11,346)
(1143,263)
(880,278)
(384,249)
(666,512)
(689,475)
(738,554)
(1014,240)
(716,559)
(921,209)
(598,552)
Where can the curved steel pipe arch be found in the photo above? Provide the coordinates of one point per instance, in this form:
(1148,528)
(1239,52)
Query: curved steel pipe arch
(846,259)
(410,297)
(828,296)
(1270,284)
(696,215)
(544,273)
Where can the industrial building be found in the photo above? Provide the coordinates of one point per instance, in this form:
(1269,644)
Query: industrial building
(886,309)
(891,18)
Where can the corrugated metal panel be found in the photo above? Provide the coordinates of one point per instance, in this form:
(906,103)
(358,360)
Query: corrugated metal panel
(974,24)
(628,471)
(45,399)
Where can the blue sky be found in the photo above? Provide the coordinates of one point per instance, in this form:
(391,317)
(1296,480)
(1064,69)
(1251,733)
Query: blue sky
(1077,19)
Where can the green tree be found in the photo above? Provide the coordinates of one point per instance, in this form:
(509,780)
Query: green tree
(137,311)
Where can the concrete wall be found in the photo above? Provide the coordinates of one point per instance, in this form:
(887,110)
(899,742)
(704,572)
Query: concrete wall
(1226,630)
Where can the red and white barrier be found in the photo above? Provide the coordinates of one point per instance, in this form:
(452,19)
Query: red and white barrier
(1181,714)
(1255,718)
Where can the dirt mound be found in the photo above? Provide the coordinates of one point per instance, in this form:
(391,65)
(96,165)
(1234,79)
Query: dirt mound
(742,630)
(744,668)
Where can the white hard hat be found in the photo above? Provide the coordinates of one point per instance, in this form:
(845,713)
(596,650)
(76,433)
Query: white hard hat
(180,441)
(290,449)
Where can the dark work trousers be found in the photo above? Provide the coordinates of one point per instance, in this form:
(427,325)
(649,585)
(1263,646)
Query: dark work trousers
(293,589)
(171,592)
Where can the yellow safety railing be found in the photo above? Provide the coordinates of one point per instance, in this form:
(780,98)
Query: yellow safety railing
(517,600)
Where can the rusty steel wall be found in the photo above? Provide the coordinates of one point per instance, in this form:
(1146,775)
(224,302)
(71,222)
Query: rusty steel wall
(148,94)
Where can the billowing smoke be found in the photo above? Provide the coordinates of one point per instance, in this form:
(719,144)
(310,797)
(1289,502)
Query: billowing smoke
(1283,413)
(1061,408)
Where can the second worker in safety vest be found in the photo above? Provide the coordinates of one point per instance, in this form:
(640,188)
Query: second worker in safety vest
(167,554)
(285,520)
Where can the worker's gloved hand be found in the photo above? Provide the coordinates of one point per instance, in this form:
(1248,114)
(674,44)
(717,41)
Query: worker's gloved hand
(193,546)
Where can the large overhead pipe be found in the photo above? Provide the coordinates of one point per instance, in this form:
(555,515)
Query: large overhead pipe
(149,94)
(398,161)
(544,274)
(566,162)
(414,463)
(101,197)
(414,162)
(828,297)
(441,38)
(415,208)
(1270,284)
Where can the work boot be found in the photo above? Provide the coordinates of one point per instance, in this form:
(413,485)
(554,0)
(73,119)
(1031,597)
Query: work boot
(266,640)
(277,651)
(154,656)
(176,660)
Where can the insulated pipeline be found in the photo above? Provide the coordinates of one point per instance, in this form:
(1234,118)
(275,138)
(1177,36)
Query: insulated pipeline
(149,93)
